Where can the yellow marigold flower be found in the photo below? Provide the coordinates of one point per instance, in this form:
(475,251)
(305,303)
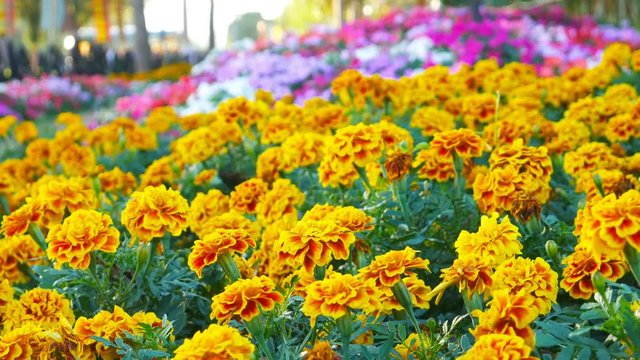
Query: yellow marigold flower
(117,181)
(111,325)
(240,109)
(566,135)
(499,346)
(392,134)
(509,314)
(495,242)
(314,242)
(78,160)
(590,157)
(42,307)
(68,118)
(526,159)
(430,120)
(205,206)
(279,202)
(397,165)
(38,150)
(17,223)
(270,162)
(153,211)
(277,129)
(206,251)
(205,176)
(613,182)
(303,149)
(432,166)
(357,144)
(25,131)
(6,122)
(216,342)
(162,171)
(194,121)
(198,145)
(346,216)
(319,212)
(622,128)
(17,344)
(245,298)
(16,250)
(409,348)
(470,273)
(321,351)
(581,264)
(333,172)
(321,116)
(229,220)
(387,269)
(606,225)
(59,194)
(478,108)
(617,53)
(83,232)
(507,131)
(141,138)
(463,142)
(534,277)
(247,195)
(334,296)
(161,118)
(6,296)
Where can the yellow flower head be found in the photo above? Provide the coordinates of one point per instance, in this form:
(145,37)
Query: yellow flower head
(161,119)
(42,307)
(204,177)
(534,277)
(16,250)
(83,232)
(499,346)
(216,342)
(580,266)
(279,202)
(387,269)
(117,181)
(247,195)
(205,206)
(321,351)
(430,120)
(229,220)
(357,144)
(463,142)
(495,242)
(206,251)
(25,131)
(432,166)
(6,122)
(409,348)
(314,242)
(470,272)
(245,298)
(153,211)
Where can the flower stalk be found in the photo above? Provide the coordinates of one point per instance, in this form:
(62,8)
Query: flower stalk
(229,266)
(345,326)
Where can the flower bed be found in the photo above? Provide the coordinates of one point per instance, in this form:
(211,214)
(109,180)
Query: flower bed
(439,216)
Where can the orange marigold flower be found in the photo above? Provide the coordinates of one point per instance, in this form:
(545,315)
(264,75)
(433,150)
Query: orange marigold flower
(534,277)
(78,160)
(83,232)
(470,272)
(6,296)
(509,314)
(333,172)
(499,346)
(397,165)
(356,144)
(59,194)
(346,216)
(321,351)
(17,223)
(111,325)
(245,298)
(247,195)
(205,206)
(16,250)
(432,166)
(314,242)
(303,149)
(279,202)
(216,342)
(463,142)
(161,118)
(270,162)
(430,120)
(162,171)
(205,176)
(334,296)
(18,343)
(153,211)
(495,242)
(116,180)
(25,131)
(409,348)
(206,251)
(590,157)
(229,220)
(42,307)
(387,269)
(576,277)
(6,122)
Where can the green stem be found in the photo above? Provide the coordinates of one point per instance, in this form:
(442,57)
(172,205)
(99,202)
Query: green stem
(633,258)
(402,201)
(92,271)
(471,302)
(363,175)
(256,329)
(458,165)
(345,326)
(229,266)
(37,235)
(4,205)
(402,294)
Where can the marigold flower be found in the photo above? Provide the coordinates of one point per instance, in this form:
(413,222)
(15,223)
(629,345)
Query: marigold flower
(161,119)
(333,172)
(83,232)
(334,296)
(321,351)
(245,298)
(303,149)
(198,145)
(270,162)
(495,242)
(78,160)
(205,176)
(111,325)
(162,171)
(314,242)
(153,211)
(509,314)
(397,165)
(356,144)
(279,202)
(229,220)
(432,166)
(247,195)
(16,250)
(116,180)
(463,142)
(204,206)
(534,277)
(387,269)
(408,348)
(216,342)
(58,194)
(42,307)
(582,263)
(430,120)
(590,157)
(6,296)
(17,223)
(25,131)
(470,272)
(499,346)
(17,344)
(206,251)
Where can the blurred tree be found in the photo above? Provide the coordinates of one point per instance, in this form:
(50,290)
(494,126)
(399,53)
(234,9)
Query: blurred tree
(212,34)
(245,27)
(143,51)
(30,12)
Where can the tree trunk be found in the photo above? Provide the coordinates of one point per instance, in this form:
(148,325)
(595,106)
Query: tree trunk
(475,10)
(143,51)
(185,30)
(212,33)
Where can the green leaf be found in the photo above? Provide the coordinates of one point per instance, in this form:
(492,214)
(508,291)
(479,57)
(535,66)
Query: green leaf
(566,353)
(630,323)
(150,354)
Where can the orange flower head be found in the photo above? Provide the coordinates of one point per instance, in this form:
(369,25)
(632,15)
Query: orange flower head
(153,211)
(398,165)
(463,142)
(470,273)
(387,269)
(576,277)
(321,351)
(246,196)
(495,242)
(205,206)
(279,202)
(42,307)
(314,242)
(206,251)
(216,342)
(16,250)
(432,166)
(83,232)
(334,296)
(245,298)
(499,346)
